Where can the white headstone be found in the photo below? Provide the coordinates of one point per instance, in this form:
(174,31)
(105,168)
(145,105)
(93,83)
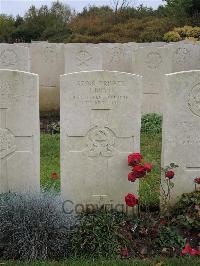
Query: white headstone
(19,132)
(14,57)
(118,57)
(181,127)
(152,63)
(100,126)
(130,57)
(47,60)
(185,56)
(82,57)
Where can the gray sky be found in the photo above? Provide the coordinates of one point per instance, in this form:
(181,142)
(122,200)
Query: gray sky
(15,7)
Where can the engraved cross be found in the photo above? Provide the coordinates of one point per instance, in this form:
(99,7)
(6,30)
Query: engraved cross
(9,144)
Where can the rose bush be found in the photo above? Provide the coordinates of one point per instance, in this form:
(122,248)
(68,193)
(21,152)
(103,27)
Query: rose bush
(139,170)
(167,185)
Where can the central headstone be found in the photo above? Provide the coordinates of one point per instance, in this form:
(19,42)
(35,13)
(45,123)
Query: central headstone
(100,126)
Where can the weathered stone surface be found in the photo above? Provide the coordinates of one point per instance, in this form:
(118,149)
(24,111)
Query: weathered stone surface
(100,126)
(181,127)
(118,57)
(185,56)
(14,57)
(82,57)
(47,60)
(156,44)
(19,132)
(152,63)
(49,99)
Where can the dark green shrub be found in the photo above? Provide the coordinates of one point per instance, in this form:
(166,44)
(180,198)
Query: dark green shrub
(98,235)
(33,227)
(151,123)
(186,212)
(169,237)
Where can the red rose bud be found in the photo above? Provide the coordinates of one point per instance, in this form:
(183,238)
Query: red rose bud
(124,252)
(134,159)
(148,167)
(132,177)
(54,176)
(139,170)
(131,200)
(169,174)
(197,180)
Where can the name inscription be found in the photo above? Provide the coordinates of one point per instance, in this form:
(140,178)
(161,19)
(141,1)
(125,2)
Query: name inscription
(101,94)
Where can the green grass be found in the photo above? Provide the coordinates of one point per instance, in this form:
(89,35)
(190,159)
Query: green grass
(50,159)
(156,262)
(150,148)
(151,151)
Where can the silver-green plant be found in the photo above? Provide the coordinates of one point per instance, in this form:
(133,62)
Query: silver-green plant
(33,226)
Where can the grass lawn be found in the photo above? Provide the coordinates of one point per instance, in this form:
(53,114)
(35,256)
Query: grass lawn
(150,149)
(150,186)
(155,262)
(50,159)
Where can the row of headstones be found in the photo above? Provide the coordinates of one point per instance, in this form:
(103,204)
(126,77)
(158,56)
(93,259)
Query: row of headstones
(100,126)
(150,60)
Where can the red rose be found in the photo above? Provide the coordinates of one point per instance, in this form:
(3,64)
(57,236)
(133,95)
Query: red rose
(197,180)
(169,174)
(139,171)
(148,167)
(124,252)
(189,250)
(134,159)
(54,176)
(132,177)
(131,200)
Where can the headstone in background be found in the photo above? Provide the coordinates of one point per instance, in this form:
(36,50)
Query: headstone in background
(118,56)
(82,57)
(153,63)
(15,57)
(47,60)
(184,56)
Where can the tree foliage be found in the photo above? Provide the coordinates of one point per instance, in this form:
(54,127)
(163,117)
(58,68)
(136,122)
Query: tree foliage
(188,7)
(120,22)
(7,26)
